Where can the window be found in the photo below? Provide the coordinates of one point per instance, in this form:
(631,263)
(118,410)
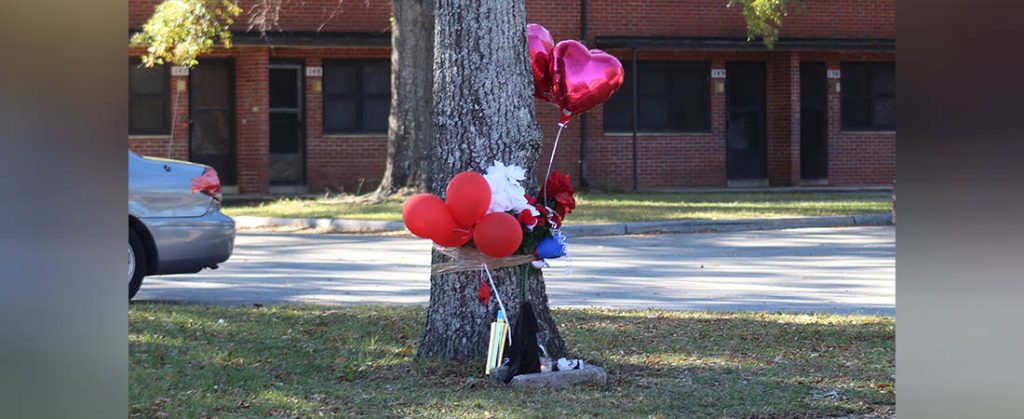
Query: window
(868,96)
(357,96)
(672,97)
(148,99)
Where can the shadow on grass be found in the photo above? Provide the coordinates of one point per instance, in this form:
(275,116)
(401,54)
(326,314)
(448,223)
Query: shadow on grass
(360,361)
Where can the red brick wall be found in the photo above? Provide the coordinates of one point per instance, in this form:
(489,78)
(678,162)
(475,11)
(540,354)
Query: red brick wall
(783,119)
(349,162)
(163,145)
(818,18)
(337,163)
(855,157)
(252,132)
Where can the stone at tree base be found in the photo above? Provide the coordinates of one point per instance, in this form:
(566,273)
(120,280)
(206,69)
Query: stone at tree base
(589,374)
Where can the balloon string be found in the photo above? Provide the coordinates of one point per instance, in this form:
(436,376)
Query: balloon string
(561,126)
(497,296)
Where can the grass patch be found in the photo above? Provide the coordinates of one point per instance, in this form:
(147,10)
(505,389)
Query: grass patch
(310,361)
(612,207)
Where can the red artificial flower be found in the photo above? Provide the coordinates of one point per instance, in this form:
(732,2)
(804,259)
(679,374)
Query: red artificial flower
(566,203)
(527,218)
(529,199)
(559,188)
(557,183)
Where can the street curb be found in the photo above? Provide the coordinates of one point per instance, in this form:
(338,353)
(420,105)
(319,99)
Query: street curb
(332,225)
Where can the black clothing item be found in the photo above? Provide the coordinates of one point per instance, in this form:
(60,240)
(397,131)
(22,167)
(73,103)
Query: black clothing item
(524,354)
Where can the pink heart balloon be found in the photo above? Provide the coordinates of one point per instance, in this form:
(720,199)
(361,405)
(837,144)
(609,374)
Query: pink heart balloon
(539,40)
(583,79)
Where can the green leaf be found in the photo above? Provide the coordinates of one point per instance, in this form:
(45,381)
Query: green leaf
(181,30)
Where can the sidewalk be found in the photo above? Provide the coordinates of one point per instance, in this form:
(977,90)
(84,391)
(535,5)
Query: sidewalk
(334,225)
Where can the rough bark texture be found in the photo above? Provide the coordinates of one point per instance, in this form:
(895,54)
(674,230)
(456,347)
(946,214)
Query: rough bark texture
(409,124)
(483,111)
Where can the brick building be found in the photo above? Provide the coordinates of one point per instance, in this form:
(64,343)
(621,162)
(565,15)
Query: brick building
(306,109)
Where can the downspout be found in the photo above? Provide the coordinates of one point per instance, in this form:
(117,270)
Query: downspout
(635,99)
(584,183)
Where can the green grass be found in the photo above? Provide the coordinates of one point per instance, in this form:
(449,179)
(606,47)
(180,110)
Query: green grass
(309,361)
(614,207)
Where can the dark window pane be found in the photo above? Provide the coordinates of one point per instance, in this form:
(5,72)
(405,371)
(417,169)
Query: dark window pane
(855,79)
(340,79)
(868,101)
(284,133)
(885,113)
(375,115)
(653,82)
(376,80)
(691,115)
(626,90)
(148,99)
(147,80)
(212,132)
(148,115)
(212,93)
(340,115)
(653,114)
(856,113)
(672,97)
(883,80)
(284,88)
(357,96)
(618,116)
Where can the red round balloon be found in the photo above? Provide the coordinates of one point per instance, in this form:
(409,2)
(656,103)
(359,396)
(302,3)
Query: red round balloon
(581,78)
(426,215)
(498,234)
(453,237)
(468,197)
(540,43)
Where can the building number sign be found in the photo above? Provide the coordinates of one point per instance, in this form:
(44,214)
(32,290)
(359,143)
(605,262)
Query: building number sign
(718,73)
(314,71)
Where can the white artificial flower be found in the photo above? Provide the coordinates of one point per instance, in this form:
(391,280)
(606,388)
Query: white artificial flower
(507,193)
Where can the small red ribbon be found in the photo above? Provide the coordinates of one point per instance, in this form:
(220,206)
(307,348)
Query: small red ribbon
(485,292)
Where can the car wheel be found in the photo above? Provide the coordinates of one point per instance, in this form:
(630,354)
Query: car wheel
(136,263)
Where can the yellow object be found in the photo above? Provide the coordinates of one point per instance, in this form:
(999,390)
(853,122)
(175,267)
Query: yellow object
(496,348)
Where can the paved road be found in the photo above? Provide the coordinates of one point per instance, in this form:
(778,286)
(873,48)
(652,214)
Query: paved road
(841,270)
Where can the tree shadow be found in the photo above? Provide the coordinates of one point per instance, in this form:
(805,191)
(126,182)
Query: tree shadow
(359,361)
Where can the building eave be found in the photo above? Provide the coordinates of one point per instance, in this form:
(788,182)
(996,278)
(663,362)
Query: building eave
(698,43)
(309,39)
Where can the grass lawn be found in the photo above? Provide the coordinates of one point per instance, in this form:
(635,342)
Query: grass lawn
(199,361)
(613,207)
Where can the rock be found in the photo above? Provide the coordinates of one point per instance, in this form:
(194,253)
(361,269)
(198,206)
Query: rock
(589,374)
(499,374)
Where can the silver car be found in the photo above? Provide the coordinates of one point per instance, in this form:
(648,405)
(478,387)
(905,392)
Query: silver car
(174,220)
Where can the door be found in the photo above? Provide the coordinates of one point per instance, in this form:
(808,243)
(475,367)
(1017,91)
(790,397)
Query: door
(813,122)
(745,132)
(287,148)
(211,117)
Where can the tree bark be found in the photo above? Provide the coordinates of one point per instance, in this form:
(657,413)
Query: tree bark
(483,112)
(409,124)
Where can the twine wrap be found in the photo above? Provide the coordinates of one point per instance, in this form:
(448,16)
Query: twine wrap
(464,259)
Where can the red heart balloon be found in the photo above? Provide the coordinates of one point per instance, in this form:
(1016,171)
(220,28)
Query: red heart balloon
(539,40)
(581,78)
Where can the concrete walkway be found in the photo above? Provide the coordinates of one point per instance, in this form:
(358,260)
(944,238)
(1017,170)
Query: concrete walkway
(840,270)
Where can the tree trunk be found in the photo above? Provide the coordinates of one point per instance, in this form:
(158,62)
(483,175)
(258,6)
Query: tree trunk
(483,112)
(412,79)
